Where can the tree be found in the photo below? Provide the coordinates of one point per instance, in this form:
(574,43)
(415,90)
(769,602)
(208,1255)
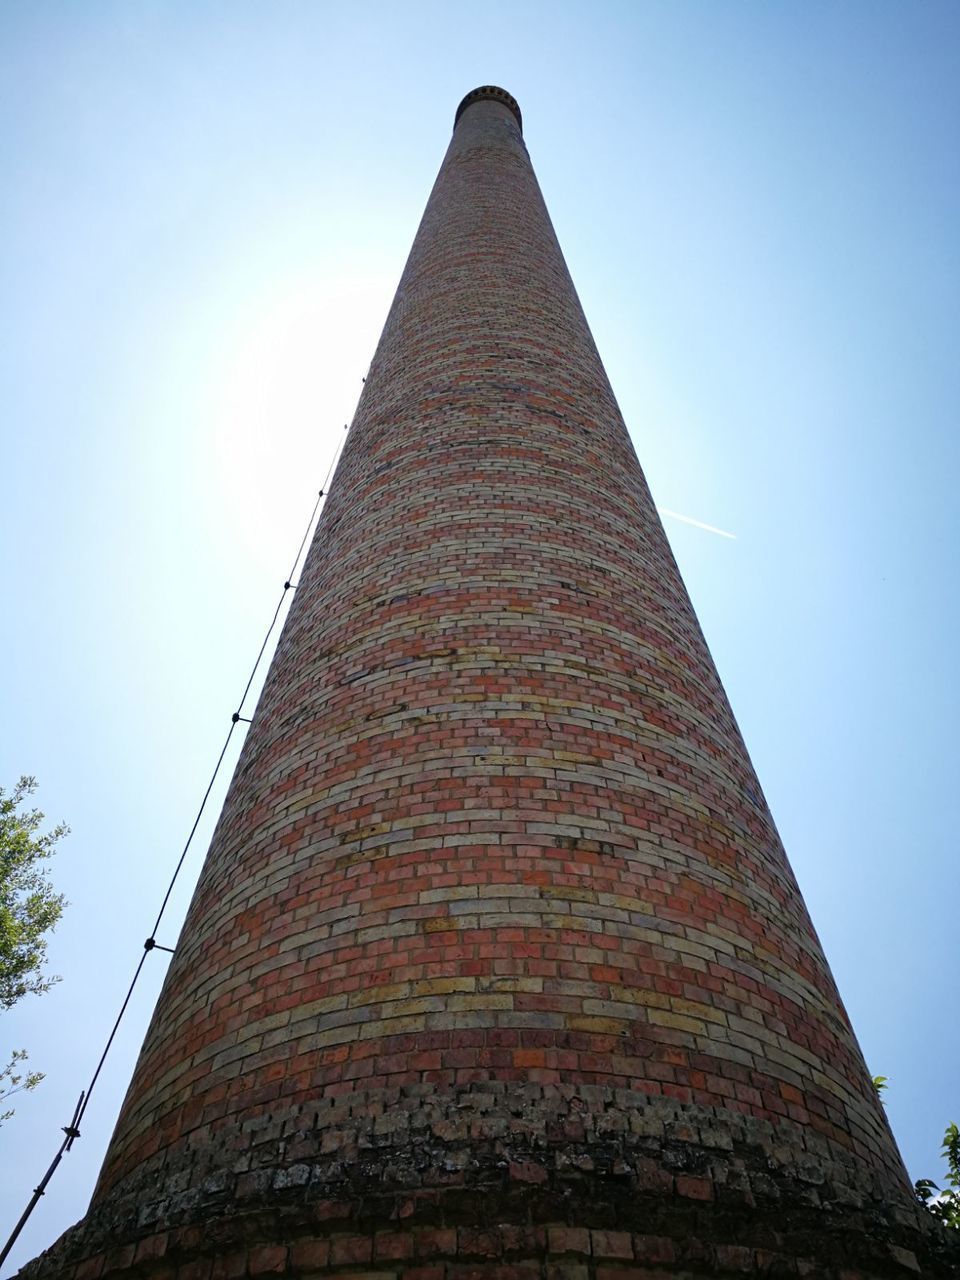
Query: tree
(29,909)
(14,1078)
(946,1205)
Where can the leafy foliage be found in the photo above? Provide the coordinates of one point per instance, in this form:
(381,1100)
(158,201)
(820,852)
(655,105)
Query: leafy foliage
(15,1079)
(29,907)
(944,1204)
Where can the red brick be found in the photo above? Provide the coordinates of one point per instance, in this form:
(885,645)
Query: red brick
(267,1259)
(229,1266)
(611,1244)
(473,1242)
(152,1247)
(434,1242)
(351,1249)
(119,1259)
(393,1244)
(694,1188)
(196,1269)
(568,1240)
(306,1255)
(653,1249)
(89,1269)
(528,1171)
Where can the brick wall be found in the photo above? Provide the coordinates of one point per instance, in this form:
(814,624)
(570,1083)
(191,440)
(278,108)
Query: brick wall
(496,935)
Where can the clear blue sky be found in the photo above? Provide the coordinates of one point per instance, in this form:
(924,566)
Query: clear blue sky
(206,210)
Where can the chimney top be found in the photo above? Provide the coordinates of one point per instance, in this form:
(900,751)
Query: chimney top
(489,91)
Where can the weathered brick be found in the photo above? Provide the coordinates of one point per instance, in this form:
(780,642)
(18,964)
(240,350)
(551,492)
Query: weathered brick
(694,1188)
(653,1248)
(229,1265)
(309,1255)
(119,1259)
(268,1259)
(735,1257)
(351,1249)
(568,1240)
(393,1244)
(152,1247)
(196,1269)
(89,1269)
(611,1244)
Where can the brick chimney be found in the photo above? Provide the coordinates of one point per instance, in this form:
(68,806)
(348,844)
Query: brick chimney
(496,966)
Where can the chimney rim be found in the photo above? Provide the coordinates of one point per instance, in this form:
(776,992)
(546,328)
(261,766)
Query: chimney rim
(489,92)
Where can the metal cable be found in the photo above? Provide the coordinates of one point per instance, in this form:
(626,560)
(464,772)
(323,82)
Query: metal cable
(72,1131)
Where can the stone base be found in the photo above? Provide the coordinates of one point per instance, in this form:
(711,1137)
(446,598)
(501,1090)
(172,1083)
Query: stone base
(533,1181)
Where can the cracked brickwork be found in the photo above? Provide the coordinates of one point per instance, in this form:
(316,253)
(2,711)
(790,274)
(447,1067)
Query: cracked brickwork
(496,963)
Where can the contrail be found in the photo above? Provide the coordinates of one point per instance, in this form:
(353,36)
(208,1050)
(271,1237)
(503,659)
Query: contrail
(696,523)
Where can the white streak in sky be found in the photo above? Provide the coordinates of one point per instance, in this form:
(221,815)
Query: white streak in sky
(698,524)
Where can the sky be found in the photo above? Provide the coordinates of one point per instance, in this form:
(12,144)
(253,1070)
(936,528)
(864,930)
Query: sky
(205,210)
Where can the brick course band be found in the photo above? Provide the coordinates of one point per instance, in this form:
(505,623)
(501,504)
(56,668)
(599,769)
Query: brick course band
(496,963)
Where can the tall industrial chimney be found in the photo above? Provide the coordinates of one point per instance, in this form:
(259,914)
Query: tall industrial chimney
(496,966)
